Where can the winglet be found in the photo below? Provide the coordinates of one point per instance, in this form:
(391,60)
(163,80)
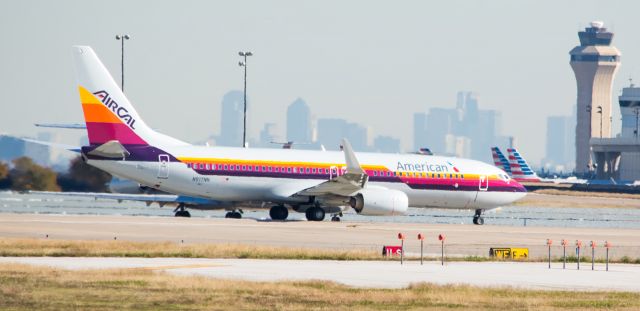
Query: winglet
(353,166)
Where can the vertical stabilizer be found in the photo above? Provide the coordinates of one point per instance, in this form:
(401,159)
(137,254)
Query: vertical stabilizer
(520,169)
(500,160)
(107,112)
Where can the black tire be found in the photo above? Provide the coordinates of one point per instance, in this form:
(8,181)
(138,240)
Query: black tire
(236,215)
(183,214)
(335,218)
(315,214)
(480,221)
(278,212)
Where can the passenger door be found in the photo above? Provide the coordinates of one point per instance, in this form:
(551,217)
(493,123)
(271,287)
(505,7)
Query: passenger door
(163,166)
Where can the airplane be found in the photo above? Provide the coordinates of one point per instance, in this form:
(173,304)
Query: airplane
(520,169)
(500,160)
(308,181)
(516,166)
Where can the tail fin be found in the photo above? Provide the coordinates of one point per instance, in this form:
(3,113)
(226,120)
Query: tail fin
(499,160)
(107,112)
(520,169)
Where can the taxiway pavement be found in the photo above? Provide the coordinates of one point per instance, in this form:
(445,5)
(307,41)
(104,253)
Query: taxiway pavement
(377,274)
(461,240)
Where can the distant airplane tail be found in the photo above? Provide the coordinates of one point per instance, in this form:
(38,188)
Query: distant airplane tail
(500,160)
(108,113)
(520,169)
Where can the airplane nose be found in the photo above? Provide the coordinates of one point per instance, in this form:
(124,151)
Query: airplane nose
(518,187)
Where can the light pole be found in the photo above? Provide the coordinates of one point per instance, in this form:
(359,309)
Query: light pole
(637,111)
(600,112)
(244,64)
(122,38)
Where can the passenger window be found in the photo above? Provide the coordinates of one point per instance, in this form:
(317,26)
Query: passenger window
(250,167)
(231,167)
(313,170)
(277,169)
(270,168)
(244,167)
(264,168)
(288,170)
(206,167)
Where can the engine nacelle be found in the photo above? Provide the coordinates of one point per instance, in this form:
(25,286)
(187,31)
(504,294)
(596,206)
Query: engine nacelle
(379,202)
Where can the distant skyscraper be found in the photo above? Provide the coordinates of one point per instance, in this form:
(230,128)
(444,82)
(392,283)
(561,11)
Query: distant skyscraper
(595,63)
(559,142)
(332,131)
(299,122)
(438,127)
(386,144)
(232,119)
(419,130)
(268,135)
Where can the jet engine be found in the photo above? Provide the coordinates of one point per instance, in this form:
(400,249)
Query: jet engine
(379,202)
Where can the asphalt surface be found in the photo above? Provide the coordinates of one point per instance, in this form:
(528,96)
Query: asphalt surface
(461,240)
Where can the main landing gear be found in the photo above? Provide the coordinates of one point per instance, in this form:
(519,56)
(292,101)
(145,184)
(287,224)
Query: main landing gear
(181,212)
(278,212)
(315,213)
(235,214)
(477,218)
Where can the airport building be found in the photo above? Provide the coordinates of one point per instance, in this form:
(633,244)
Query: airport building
(619,158)
(594,62)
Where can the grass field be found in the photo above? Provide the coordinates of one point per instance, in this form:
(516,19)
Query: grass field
(10,247)
(37,288)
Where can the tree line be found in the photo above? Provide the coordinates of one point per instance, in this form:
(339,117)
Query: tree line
(22,174)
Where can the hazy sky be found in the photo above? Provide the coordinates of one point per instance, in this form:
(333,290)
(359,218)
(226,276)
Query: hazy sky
(371,62)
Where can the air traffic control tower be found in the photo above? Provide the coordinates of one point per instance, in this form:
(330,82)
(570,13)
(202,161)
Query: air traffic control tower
(594,62)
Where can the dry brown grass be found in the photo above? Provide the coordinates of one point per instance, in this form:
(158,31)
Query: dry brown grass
(38,288)
(101,248)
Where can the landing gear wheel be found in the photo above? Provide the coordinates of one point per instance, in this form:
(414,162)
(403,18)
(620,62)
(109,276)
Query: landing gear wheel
(183,213)
(234,215)
(315,214)
(278,212)
(477,218)
(335,218)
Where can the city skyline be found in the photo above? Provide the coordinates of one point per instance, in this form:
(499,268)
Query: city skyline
(373,67)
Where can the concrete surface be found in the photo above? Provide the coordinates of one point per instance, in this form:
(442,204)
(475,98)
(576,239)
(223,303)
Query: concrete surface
(379,274)
(460,239)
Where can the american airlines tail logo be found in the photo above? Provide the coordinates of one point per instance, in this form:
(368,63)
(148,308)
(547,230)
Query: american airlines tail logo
(121,112)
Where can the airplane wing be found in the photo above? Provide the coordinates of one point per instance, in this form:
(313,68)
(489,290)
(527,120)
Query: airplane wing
(352,180)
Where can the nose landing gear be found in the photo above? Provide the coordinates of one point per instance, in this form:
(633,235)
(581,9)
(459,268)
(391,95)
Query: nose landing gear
(477,218)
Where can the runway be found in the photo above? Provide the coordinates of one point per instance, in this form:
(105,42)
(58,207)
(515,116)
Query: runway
(375,274)
(461,240)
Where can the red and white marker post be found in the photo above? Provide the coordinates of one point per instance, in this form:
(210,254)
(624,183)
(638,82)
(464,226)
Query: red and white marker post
(441,237)
(564,253)
(593,254)
(549,242)
(401,238)
(578,247)
(421,238)
(607,245)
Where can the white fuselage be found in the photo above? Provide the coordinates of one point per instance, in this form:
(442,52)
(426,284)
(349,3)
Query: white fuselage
(210,172)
